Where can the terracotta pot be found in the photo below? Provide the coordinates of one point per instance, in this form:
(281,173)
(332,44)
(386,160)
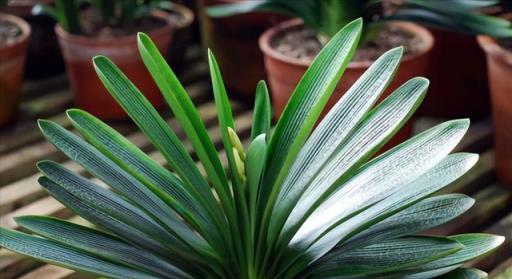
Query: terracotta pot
(12,64)
(90,94)
(285,72)
(458,76)
(499,63)
(182,38)
(234,41)
(44,57)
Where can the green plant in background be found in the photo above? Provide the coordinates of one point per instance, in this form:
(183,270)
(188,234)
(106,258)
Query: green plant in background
(299,202)
(326,17)
(112,12)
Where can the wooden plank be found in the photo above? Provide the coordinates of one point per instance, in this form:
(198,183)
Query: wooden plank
(20,163)
(503,271)
(502,227)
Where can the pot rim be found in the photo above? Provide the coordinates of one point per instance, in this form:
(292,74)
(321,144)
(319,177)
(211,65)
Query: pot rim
(492,48)
(22,24)
(126,39)
(187,14)
(269,34)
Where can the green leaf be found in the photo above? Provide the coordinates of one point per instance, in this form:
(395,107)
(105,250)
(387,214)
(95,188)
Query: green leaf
(99,244)
(106,170)
(136,235)
(108,202)
(226,122)
(475,245)
(302,111)
(388,255)
(304,108)
(325,147)
(153,126)
(187,114)
(368,212)
(426,214)
(262,112)
(65,256)
(256,157)
(386,175)
(154,176)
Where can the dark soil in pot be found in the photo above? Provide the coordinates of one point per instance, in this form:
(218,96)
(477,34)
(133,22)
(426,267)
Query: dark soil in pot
(302,43)
(290,47)
(119,43)
(44,57)
(14,34)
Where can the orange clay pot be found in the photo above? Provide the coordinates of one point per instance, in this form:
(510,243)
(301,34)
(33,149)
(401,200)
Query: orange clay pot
(285,72)
(234,41)
(90,94)
(458,76)
(12,64)
(499,63)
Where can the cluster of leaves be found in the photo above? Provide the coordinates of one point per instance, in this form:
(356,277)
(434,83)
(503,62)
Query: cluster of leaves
(112,12)
(326,17)
(299,202)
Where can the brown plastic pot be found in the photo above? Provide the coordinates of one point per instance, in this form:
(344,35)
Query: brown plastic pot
(458,76)
(285,72)
(499,63)
(12,64)
(90,94)
(234,41)
(182,38)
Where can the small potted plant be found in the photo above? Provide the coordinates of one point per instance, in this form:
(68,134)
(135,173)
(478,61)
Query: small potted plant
(290,47)
(14,36)
(499,61)
(107,27)
(235,41)
(299,202)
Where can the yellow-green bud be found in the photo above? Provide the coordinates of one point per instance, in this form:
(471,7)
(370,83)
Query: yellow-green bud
(240,165)
(235,141)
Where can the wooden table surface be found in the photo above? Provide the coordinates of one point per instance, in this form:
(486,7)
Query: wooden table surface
(22,145)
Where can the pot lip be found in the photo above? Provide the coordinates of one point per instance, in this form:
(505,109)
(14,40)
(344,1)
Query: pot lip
(22,24)
(269,34)
(492,48)
(126,39)
(187,14)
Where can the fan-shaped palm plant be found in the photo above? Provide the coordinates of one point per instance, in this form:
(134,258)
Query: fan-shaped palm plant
(299,202)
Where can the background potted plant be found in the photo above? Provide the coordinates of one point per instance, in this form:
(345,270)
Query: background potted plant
(299,202)
(322,17)
(235,41)
(499,61)
(107,27)
(454,25)
(44,57)
(14,36)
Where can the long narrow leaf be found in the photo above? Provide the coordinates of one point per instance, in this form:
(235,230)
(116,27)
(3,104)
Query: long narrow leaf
(100,244)
(59,254)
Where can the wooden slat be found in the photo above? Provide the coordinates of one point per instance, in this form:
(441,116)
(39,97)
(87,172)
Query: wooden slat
(503,271)
(502,227)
